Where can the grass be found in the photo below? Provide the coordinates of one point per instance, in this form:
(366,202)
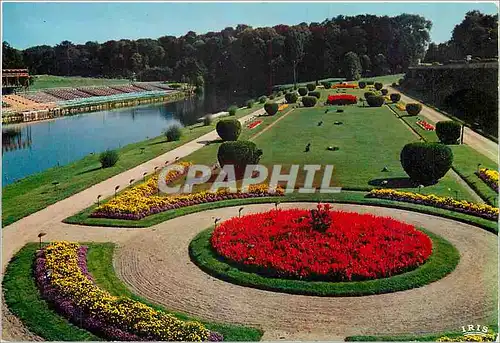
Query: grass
(36,192)
(52,81)
(347,197)
(23,299)
(443,261)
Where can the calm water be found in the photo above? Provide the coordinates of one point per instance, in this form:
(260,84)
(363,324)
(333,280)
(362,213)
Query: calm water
(31,148)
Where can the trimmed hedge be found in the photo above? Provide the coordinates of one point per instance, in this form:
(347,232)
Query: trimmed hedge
(384,91)
(309,101)
(395,97)
(238,153)
(370,83)
(448,131)
(271,108)
(302,91)
(291,97)
(375,100)
(311,87)
(229,129)
(425,163)
(315,93)
(378,85)
(361,84)
(413,109)
(232,110)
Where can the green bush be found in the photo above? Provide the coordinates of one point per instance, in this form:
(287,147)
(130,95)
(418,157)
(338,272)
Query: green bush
(311,87)
(309,101)
(108,158)
(263,99)
(173,133)
(378,85)
(361,84)
(395,97)
(271,97)
(425,163)
(238,153)
(370,83)
(448,131)
(315,93)
(229,129)
(413,109)
(250,103)
(384,91)
(302,91)
(291,97)
(375,100)
(232,110)
(368,94)
(327,84)
(280,93)
(207,120)
(394,84)
(271,108)
(400,81)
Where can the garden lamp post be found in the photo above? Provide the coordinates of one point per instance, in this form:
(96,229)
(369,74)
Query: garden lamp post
(420,188)
(215,222)
(40,235)
(166,162)
(239,211)
(156,168)
(131,181)
(55,183)
(456,193)
(276,204)
(478,167)
(144,175)
(98,197)
(116,188)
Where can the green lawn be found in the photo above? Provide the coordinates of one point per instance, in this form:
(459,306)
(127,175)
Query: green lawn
(52,81)
(36,192)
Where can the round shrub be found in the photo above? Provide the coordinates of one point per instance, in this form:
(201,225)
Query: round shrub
(311,87)
(375,100)
(280,93)
(327,84)
(315,93)
(368,94)
(378,85)
(250,103)
(108,158)
(238,153)
(207,120)
(271,108)
(291,97)
(448,131)
(263,99)
(400,81)
(394,84)
(425,163)
(232,110)
(384,91)
(361,84)
(302,91)
(228,129)
(309,101)
(173,133)
(271,97)
(395,97)
(413,109)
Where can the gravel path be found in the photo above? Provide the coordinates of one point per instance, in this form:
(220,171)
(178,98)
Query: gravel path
(156,265)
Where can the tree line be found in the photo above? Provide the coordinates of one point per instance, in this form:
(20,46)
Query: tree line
(244,59)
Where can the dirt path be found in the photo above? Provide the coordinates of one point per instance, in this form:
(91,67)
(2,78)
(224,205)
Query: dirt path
(156,265)
(471,138)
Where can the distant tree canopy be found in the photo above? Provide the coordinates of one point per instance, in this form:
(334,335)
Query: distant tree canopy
(244,59)
(476,35)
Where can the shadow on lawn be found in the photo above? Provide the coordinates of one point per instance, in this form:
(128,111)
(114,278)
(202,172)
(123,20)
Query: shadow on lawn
(89,170)
(394,182)
(210,142)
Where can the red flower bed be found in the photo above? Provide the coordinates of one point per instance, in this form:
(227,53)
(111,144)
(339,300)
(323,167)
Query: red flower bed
(425,125)
(342,99)
(321,244)
(254,124)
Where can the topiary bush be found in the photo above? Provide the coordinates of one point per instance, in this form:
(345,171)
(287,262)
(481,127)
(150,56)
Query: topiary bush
(394,84)
(271,108)
(309,101)
(327,84)
(173,133)
(207,120)
(361,84)
(375,100)
(108,158)
(378,85)
(232,110)
(271,97)
(370,83)
(291,97)
(413,109)
(311,87)
(238,153)
(448,131)
(280,93)
(400,81)
(425,163)
(384,91)
(263,99)
(228,129)
(302,91)
(395,97)
(315,94)
(250,103)
(367,94)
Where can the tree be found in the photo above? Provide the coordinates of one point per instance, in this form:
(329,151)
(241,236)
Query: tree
(352,66)
(295,42)
(380,65)
(366,64)
(11,58)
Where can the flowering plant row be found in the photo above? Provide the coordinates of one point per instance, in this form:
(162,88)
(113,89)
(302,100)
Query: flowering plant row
(401,107)
(63,279)
(254,124)
(345,85)
(480,210)
(489,337)
(425,125)
(490,177)
(341,99)
(282,107)
(344,247)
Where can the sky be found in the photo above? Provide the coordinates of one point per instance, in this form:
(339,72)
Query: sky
(28,24)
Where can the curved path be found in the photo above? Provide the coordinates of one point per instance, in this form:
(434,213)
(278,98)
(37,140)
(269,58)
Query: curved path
(156,265)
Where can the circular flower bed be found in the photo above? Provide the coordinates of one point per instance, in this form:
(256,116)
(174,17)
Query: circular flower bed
(321,244)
